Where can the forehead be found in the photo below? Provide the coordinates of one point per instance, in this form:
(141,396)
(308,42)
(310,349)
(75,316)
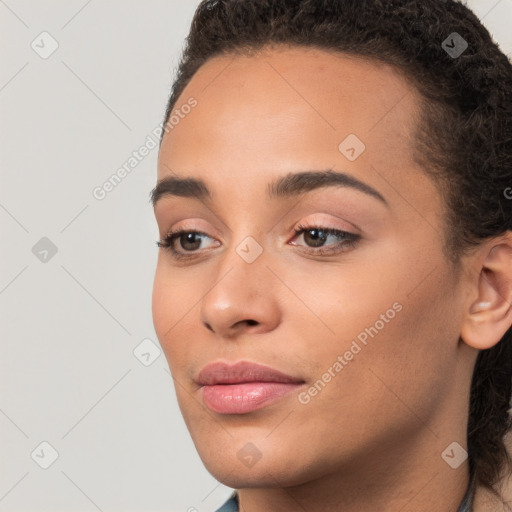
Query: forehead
(285,109)
(335,91)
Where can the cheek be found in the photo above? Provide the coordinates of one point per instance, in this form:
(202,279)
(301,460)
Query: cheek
(342,303)
(394,325)
(411,359)
(175,303)
(161,305)
(167,311)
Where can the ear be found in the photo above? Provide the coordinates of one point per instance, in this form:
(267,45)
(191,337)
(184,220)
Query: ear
(489,311)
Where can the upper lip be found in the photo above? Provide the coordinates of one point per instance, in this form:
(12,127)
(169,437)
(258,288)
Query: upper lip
(242,371)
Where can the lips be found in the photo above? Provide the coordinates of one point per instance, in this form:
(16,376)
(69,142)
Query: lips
(222,373)
(243,387)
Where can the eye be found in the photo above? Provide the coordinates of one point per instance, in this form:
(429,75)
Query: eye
(318,235)
(189,240)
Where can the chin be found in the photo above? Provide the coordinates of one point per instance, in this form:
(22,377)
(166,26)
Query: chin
(244,468)
(246,479)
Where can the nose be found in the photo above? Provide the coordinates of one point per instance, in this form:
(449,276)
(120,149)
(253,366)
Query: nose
(243,297)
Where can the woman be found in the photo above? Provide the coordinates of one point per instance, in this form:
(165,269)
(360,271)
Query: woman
(334,285)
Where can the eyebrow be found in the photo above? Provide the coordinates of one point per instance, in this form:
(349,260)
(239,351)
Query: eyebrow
(291,184)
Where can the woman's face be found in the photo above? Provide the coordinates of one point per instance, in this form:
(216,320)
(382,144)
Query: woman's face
(369,330)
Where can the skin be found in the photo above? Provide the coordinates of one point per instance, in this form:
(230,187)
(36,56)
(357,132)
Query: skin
(372,438)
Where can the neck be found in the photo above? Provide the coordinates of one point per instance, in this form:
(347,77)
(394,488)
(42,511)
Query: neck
(403,477)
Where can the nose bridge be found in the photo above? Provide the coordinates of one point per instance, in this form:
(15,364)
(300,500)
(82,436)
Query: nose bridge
(241,289)
(244,265)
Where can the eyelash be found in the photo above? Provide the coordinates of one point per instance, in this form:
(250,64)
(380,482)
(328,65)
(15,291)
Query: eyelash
(349,241)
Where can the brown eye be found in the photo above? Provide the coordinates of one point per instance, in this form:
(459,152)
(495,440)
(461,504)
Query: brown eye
(189,242)
(316,236)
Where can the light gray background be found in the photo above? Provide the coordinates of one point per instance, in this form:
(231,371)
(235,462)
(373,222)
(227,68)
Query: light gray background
(69,324)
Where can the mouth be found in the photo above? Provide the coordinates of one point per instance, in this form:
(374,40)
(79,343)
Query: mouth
(243,387)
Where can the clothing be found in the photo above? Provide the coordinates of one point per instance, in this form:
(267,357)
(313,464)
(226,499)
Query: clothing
(231,505)
(467,502)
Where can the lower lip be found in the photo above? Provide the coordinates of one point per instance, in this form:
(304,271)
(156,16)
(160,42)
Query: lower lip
(244,397)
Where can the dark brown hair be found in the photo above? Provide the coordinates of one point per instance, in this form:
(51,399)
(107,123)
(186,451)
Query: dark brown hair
(463,138)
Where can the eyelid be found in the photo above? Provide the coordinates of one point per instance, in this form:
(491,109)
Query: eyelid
(325,220)
(320,219)
(193,225)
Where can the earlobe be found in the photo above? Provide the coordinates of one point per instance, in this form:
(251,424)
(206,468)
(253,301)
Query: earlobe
(489,315)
